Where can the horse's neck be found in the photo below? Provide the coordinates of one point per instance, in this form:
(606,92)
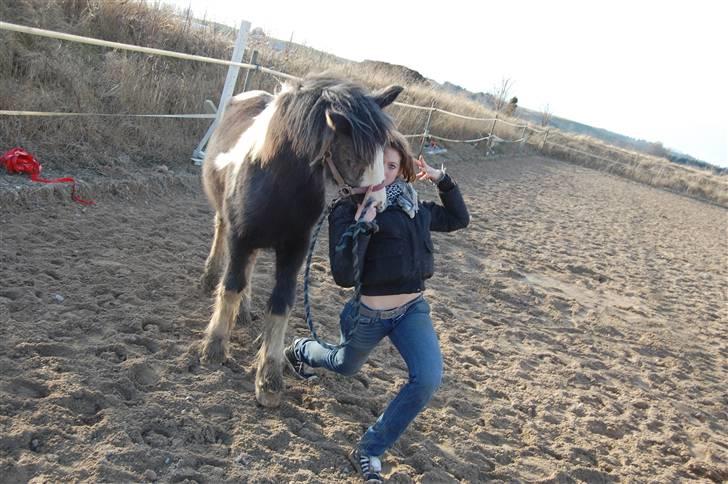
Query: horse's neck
(298,178)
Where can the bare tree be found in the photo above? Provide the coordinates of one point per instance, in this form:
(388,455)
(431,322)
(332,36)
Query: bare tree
(500,94)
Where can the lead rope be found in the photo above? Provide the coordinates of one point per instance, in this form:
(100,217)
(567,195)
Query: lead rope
(353,231)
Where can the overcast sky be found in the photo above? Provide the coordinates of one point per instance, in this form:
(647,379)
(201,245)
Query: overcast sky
(650,70)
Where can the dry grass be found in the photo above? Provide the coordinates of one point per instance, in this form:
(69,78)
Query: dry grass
(49,75)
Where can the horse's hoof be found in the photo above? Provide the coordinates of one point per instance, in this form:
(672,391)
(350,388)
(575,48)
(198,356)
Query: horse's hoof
(268,399)
(214,351)
(269,386)
(244,318)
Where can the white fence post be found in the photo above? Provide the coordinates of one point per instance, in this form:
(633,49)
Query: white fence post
(523,140)
(232,76)
(427,127)
(489,144)
(543,141)
(249,72)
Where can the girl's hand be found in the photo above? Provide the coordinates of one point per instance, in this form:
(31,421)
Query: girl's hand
(371,211)
(426,171)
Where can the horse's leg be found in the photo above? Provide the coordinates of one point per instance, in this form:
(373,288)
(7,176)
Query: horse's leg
(269,377)
(214,263)
(244,317)
(227,302)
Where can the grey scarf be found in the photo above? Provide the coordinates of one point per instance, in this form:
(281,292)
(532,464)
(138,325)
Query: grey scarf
(403,195)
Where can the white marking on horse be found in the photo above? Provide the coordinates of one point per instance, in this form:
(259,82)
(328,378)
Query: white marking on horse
(374,175)
(251,141)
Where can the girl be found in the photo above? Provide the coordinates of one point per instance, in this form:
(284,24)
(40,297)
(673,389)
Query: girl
(395,256)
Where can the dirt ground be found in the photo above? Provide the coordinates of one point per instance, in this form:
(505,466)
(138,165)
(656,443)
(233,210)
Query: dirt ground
(582,320)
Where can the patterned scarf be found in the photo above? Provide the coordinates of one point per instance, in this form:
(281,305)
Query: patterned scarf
(403,195)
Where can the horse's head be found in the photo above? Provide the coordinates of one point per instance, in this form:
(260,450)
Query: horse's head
(355,156)
(338,124)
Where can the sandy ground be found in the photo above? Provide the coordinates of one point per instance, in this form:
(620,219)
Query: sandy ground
(582,319)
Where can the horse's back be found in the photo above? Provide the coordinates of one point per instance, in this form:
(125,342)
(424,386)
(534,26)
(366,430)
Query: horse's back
(239,115)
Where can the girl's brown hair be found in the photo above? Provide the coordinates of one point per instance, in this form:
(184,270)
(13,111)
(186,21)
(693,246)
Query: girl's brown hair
(407,163)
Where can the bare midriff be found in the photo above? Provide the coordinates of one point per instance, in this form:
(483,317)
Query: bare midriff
(389,301)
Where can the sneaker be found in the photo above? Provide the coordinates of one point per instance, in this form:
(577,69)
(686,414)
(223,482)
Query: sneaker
(295,364)
(368,467)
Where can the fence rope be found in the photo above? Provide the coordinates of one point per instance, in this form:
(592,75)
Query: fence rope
(198,58)
(413,106)
(135,48)
(501,140)
(587,154)
(104,115)
(470,118)
(458,140)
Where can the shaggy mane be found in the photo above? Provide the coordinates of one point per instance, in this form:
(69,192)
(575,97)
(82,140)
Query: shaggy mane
(299,121)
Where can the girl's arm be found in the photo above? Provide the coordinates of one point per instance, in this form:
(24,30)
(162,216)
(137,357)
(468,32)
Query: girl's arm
(452,214)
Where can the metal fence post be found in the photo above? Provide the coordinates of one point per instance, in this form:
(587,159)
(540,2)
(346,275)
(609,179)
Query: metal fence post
(232,76)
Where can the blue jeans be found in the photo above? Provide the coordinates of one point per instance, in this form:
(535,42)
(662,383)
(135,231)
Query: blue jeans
(415,339)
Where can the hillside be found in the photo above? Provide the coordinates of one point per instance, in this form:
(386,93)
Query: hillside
(575,127)
(41,74)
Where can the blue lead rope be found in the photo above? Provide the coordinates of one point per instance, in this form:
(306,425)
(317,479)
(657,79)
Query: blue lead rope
(354,230)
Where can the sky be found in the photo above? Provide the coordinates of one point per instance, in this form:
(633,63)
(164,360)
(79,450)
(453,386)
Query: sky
(650,70)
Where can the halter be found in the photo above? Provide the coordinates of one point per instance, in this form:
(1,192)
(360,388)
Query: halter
(346,190)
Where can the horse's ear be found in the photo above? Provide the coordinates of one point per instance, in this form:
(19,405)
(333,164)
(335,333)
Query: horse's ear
(337,122)
(386,96)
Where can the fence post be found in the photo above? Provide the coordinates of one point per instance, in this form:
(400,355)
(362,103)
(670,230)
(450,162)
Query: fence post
(249,72)
(232,76)
(427,127)
(543,141)
(523,140)
(490,135)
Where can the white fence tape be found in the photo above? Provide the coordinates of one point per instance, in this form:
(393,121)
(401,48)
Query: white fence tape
(104,115)
(458,140)
(178,55)
(586,154)
(135,48)
(413,106)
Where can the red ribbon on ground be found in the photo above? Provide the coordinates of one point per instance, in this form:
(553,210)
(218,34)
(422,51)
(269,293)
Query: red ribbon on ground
(17,160)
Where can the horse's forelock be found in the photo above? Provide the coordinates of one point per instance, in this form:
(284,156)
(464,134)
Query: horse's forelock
(301,118)
(370,126)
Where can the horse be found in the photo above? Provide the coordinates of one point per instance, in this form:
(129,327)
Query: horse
(265,173)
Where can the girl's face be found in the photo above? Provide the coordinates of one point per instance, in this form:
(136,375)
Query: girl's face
(392,160)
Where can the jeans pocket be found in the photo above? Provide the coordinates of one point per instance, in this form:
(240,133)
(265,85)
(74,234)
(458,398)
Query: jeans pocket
(348,320)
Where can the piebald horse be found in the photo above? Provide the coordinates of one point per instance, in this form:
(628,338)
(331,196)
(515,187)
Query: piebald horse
(264,173)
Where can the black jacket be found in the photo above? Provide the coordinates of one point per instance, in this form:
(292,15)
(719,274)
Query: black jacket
(398,257)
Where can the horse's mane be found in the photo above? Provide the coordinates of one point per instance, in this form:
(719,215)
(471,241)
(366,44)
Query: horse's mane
(300,118)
